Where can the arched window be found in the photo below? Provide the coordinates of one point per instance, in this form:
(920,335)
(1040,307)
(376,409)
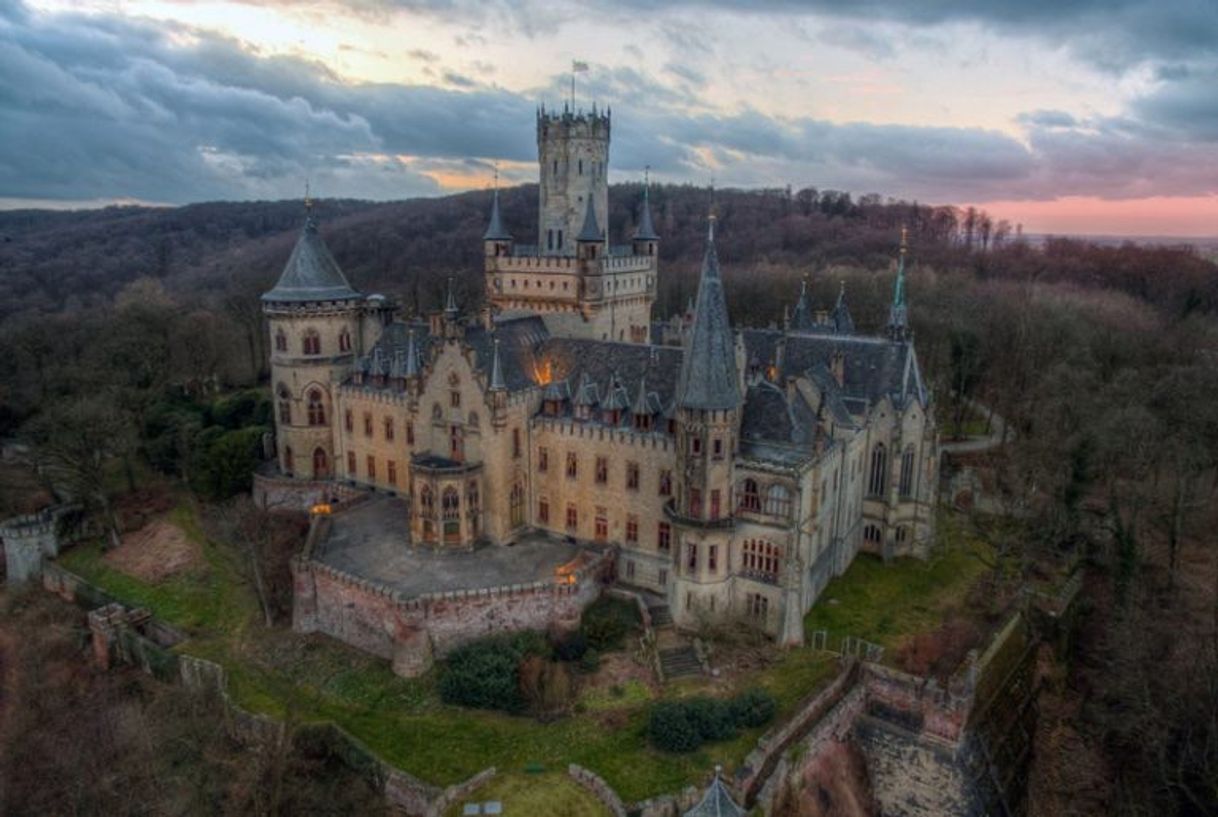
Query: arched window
(344,341)
(879,470)
(471,495)
(317,409)
(750,498)
(281,341)
(901,535)
(778,501)
(473,419)
(288,464)
(872,534)
(906,485)
(285,405)
(321,464)
(516,505)
(311,342)
(427,502)
(450,504)
(761,559)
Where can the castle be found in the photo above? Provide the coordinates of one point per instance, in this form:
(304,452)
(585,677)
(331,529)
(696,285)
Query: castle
(732,475)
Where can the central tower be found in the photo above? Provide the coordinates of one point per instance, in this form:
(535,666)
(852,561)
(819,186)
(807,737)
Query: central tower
(573,154)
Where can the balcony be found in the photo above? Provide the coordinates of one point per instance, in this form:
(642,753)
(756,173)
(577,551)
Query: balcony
(673,513)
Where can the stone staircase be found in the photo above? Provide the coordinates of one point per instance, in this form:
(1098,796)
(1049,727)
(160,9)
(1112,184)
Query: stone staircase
(679,662)
(661,618)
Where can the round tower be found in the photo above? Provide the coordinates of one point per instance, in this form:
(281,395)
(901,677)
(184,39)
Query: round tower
(314,318)
(573,151)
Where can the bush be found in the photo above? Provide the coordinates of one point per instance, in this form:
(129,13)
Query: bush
(546,686)
(682,726)
(485,674)
(226,465)
(571,648)
(607,621)
(590,661)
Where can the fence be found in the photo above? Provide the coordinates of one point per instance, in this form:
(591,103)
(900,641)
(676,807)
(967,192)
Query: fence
(848,645)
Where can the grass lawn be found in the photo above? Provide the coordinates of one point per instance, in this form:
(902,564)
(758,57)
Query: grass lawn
(552,794)
(313,678)
(885,603)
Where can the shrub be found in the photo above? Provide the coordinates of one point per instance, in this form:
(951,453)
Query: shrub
(546,686)
(607,621)
(485,674)
(571,647)
(671,729)
(713,718)
(752,708)
(590,661)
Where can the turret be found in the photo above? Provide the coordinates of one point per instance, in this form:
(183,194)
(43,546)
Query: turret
(496,241)
(573,153)
(590,238)
(843,322)
(645,241)
(314,317)
(898,313)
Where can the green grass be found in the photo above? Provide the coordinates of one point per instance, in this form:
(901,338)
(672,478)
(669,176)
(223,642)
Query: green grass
(552,794)
(885,603)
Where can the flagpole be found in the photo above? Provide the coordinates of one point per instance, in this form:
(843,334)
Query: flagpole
(572,87)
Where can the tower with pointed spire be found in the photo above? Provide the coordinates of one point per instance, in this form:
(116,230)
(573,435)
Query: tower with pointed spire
(898,313)
(314,317)
(581,284)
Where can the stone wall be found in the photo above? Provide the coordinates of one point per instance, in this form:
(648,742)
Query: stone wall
(30,539)
(598,788)
(459,791)
(279,493)
(410,631)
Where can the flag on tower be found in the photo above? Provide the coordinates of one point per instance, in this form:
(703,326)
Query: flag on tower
(577,65)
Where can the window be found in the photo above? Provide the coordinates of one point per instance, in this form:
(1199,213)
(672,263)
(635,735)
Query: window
(321,463)
(454,398)
(543,459)
(410,434)
(906,486)
(437,413)
(456,445)
(581,167)
(450,504)
(778,501)
(560,240)
(873,534)
(602,470)
(515,443)
(602,525)
(879,468)
(695,444)
(761,559)
(351,463)
(371,467)
(389,429)
(367,424)
(349,420)
(344,341)
(712,558)
(285,410)
(630,570)
(516,505)
(663,577)
(572,465)
(758,606)
(664,537)
(714,504)
(472,496)
(632,529)
(632,476)
(717,448)
(901,535)
(543,511)
(391,472)
(472,422)
(666,483)
(281,341)
(311,342)
(426,500)
(572,518)
(750,499)
(691,556)
(317,409)
(289,464)
(695,503)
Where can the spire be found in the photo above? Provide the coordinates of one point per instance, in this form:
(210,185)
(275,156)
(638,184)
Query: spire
(642,405)
(495,230)
(843,322)
(802,319)
(311,273)
(450,302)
(497,383)
(708,368)
(898,313)
(590,231)
(412,356)
(646,231)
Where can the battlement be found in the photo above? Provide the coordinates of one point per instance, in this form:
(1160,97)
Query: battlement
(579,124)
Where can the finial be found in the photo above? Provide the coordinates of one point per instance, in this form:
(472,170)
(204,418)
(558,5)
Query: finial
(450,305)
(646,178)
(496,175)
(904,239)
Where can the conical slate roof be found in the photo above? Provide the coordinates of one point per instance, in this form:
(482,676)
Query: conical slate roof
(802,319)
(843,322)
(497,383)
(590,231)
(495,231)
(708,369)
(311,273)
(646,231)
(716,802)
(898,313)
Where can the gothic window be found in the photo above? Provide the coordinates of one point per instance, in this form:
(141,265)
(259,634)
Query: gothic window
(664,537)
(712,558)
(695,444)
(281,341)
(560,239)
(879,470)
(695,503)
(872,534)
(391,472)
(632,476)
(691,556)
(602,525)
(543,459)
(349,420)
(906,486)
(549,239)
(367,424)
(371,467)
(758,606)
(456,445)
(516,505)
(285,405)
(410,434)
(714,504)
(580,164)
(471,495)
(344,341)
(450,504)
(351,463)
(572,518)
(632,529)
(717,448)
(389,429)
(602,470)
(317,409)
(761,559)
(543,511)
(321,463)
(750,498)
(311,343)
(778,501)
(572,465)
(515,443)
(427,502)
(454,398)
(666,483)
(901,535)
(289,464)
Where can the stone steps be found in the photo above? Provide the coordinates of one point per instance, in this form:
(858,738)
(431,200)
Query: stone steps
(660,616)
(680,662)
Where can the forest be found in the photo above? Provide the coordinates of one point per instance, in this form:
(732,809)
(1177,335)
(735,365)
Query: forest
(133,342)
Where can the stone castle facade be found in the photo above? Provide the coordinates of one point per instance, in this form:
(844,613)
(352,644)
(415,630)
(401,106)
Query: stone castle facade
(733,474)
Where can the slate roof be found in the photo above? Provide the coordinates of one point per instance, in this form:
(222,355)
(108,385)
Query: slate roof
(777,429)
(708,377)
(716,802)
(646,231)
(591,364)
(495,231)
(311,273)
(590,231)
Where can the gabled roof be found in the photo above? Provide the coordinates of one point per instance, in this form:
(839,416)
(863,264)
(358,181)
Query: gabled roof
(708,377)
(311,273)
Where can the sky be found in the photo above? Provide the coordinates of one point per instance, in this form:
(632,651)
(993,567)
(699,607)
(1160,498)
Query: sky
(1070,116)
